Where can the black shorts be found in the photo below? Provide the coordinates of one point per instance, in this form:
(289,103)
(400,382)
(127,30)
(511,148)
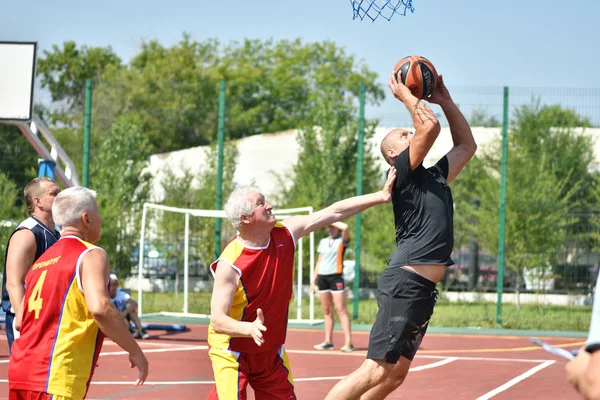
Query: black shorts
(331,283)
(406,301)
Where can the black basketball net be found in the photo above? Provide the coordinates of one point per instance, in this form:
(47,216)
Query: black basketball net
(374,9)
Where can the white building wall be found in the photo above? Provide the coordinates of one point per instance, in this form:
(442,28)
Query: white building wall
(262,156)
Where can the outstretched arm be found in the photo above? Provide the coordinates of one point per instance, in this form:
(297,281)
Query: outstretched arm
(462,137)
(427,126)
(302,225)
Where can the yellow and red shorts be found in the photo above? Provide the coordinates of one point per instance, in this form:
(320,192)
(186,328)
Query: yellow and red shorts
(18,394)
(268,373)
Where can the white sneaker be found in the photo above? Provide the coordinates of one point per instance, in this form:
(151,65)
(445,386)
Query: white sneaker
(323,346)
(347,348)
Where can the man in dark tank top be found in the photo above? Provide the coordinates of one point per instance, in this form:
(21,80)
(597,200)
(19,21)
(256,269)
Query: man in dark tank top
(26,244)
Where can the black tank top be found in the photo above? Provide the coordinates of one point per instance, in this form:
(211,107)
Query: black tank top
(423,214)
(44,238)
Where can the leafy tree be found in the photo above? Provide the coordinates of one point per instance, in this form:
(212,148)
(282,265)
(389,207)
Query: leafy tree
(10,213)
(122,188)
(173,91)
(552,130)
(18,160)
(547,174)
(64,72)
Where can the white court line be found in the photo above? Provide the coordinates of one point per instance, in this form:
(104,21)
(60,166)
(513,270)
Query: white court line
(147,343)
(415,369)
(518,360)
(516,380)
(363,354)
(318,378)
(500,359)
(433,365)
(119,353)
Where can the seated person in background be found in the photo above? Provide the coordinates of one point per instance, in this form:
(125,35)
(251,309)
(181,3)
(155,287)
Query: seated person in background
(126,305)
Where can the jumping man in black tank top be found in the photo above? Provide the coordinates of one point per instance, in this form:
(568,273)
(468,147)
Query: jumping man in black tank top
(423,216)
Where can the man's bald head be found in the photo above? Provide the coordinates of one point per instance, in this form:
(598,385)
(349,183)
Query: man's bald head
(394,143)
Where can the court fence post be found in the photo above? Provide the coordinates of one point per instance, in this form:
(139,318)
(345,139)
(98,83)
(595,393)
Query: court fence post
(221,140)
(359,179)
(502,211)
(87,127)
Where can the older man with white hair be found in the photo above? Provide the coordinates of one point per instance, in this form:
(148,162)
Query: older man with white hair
(253,289)
(66,310)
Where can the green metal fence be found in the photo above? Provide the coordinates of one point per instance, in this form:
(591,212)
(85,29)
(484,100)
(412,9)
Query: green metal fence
(175,111)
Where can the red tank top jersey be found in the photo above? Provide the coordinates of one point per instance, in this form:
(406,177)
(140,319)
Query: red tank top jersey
(266,281)
(60,340)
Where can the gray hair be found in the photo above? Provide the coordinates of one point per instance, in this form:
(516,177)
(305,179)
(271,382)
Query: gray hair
(238,204)
(70,204)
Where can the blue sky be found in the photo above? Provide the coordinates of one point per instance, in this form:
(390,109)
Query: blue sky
(518,43)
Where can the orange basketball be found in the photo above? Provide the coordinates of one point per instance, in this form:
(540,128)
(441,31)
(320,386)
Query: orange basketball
(418,74)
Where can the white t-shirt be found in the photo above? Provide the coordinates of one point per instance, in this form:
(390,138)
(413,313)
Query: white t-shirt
(120,300)
(332,255)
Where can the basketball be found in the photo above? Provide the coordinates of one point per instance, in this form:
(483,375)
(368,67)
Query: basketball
(418,74)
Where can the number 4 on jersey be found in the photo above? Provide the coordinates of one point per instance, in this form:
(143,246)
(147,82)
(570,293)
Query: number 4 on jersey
(35,301)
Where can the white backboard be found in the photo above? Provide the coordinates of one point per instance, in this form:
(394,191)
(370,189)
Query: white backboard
(17,74)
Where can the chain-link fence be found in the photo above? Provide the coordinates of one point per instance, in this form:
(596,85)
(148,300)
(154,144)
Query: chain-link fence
(132,121)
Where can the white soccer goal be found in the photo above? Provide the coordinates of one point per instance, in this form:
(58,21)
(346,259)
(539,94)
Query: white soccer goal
(174,243)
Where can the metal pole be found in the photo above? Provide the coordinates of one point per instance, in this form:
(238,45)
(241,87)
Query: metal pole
(502,212)
(141,263)
(186,267)
(473,250)
(87,126)
(359,179)
(299,284)
(221,140)
(311,246)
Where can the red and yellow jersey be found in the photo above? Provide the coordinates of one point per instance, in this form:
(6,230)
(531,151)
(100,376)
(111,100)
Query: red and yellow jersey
(266,280)
(60,341)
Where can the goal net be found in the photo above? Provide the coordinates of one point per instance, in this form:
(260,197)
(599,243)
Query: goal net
(171,266)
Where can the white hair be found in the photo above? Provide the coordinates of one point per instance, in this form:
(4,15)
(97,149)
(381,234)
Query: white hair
(70,204)
(239,204)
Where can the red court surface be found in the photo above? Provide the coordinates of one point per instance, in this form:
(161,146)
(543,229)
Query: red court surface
(446,367)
